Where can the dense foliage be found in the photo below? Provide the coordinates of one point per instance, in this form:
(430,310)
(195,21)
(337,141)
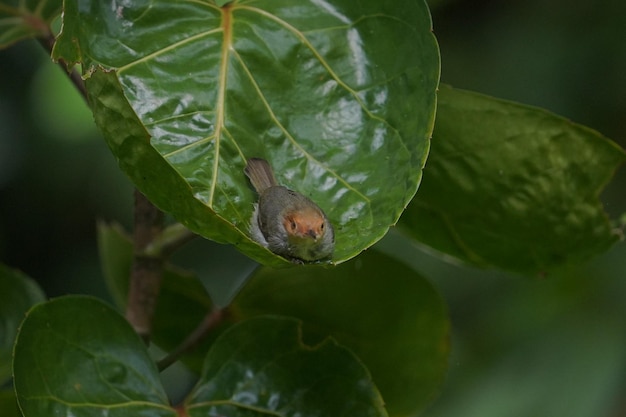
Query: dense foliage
(343,98)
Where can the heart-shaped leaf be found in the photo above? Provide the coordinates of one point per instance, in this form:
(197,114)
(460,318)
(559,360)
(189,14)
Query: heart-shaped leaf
(76,356)
(513,186)
(23,19)
(388,315)
(339,97)
(18,293)
(261,367)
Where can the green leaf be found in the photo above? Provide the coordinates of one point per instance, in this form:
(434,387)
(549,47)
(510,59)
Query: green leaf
(18,293)
(76,356)
(23,19)
(512,186)
(115,249)
(389,316)
(8,404)
(339,97)
(262,367)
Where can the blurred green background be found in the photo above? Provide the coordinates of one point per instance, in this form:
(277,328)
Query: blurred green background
(521,346)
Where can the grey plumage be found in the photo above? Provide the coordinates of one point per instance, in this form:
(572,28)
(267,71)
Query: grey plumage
(277,203)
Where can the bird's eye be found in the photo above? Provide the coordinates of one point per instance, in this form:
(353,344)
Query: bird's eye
(293,225)
(322,226)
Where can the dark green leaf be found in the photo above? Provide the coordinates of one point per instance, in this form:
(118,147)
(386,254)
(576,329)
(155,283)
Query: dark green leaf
(339,97)
(8,404)
(512,186)
(23,19)
(262,367)
(76,356)
(389,316)
(18,293)
(116,257)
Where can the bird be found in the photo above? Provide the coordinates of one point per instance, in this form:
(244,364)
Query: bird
(286,222)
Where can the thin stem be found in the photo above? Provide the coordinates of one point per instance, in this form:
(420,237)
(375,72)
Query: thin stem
(172,238)
(212,319)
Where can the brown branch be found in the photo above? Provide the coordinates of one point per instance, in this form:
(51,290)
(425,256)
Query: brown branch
(212,319)
(147,270)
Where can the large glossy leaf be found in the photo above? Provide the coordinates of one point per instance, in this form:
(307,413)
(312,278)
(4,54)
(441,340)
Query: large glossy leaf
(262,367)
(76,356)
(512,186)
(22,19)
(339,96)
(18,293)
(384,312)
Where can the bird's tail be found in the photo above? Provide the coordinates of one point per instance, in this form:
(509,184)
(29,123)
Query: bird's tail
(260,174)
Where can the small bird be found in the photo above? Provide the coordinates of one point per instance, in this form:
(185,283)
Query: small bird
(286,222)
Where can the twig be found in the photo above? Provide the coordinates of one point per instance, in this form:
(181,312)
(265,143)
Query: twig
(172,238)
(210,321)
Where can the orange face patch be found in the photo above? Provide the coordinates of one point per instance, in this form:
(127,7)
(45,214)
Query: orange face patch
(304,223)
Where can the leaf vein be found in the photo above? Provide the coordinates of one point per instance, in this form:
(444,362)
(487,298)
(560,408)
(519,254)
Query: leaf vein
(168,48)
(289,136)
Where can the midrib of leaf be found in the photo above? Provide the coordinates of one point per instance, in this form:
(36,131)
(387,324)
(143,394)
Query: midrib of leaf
(221,95)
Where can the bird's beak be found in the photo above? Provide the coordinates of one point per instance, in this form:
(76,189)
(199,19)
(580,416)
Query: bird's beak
(312,233)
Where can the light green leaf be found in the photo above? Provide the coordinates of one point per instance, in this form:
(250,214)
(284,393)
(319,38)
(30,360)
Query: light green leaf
(76,356)
(338,96)
(18,293)
(512,186)
(262,367)
(23,19)
(389,316)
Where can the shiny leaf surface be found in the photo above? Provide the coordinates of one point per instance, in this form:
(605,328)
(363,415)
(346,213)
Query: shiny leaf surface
(262,367)
(512,186)
(18,293)
(76,356)
(389,316)
(23,19)
(339,97)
